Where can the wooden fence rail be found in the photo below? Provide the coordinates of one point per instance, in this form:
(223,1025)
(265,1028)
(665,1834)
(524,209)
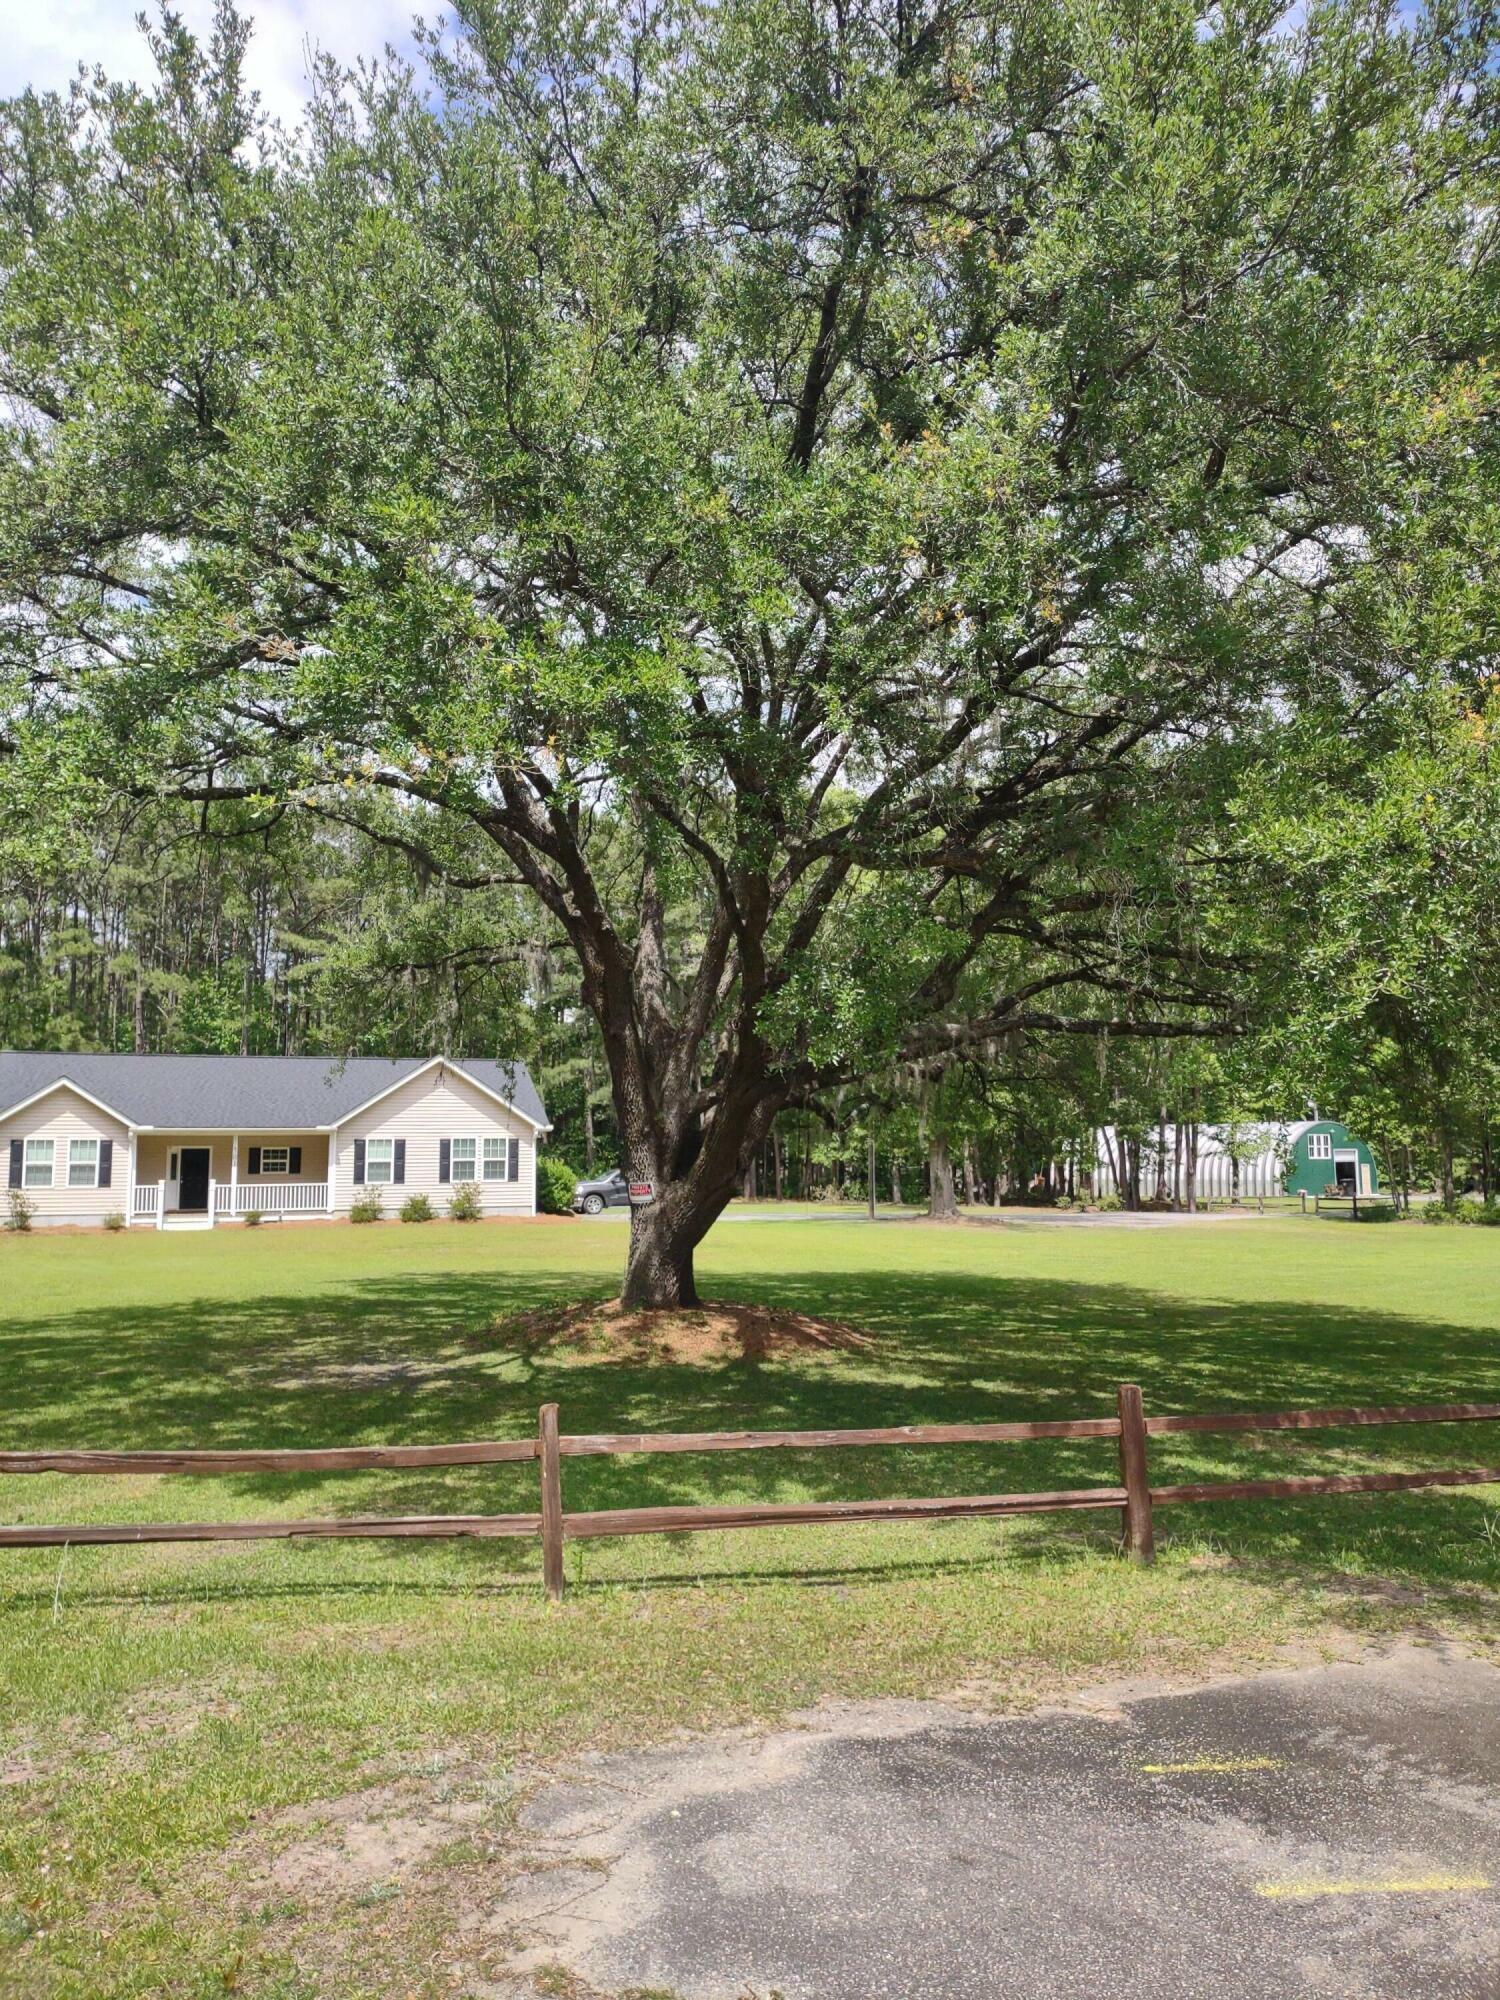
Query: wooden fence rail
(1130,1428)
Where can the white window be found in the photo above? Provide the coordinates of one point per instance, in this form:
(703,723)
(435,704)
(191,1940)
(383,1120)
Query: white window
(464,1163)
(83,1163)
(499,1159)
(1320,1145)
(38,1163)
(276,1159)
(380,1161)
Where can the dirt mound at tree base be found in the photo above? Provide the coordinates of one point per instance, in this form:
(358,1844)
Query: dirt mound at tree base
(716,1331)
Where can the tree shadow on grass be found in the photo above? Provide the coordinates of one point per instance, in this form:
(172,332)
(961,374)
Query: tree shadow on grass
(408,1360)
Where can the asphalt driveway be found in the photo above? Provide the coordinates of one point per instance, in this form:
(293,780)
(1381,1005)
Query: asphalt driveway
(1332,1834)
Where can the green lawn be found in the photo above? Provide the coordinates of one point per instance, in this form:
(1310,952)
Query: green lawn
(164,1709)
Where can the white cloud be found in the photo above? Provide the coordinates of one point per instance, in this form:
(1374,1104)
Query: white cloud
(42,42)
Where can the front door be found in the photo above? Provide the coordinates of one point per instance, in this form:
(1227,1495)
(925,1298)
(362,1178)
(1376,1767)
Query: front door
(192,1192)
(1345,1173)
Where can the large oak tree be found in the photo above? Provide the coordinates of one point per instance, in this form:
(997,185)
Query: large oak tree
(824,495)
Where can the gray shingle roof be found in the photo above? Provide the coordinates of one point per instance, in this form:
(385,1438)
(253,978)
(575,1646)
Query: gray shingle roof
(269,1093)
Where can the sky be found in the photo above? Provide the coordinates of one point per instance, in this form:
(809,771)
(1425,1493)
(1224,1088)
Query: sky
(42,42)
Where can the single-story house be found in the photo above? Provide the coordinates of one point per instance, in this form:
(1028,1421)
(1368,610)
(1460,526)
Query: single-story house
(1304,1157)
(190,1141)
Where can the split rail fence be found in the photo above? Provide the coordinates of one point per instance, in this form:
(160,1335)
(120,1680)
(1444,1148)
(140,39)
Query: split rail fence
(554,1525)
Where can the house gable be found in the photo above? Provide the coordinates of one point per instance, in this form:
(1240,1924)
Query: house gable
(51,1089)
(435,1070)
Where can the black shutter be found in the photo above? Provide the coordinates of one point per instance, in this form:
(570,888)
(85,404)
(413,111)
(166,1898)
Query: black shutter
(294,1160)
(254,1166)
(106,1161)
(513,1160)
(15,1162)
(359,1163)
(445,1160)
(398,1173)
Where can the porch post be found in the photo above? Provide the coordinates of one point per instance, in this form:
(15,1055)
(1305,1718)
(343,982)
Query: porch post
(161,1204)
(234,1174)
(213,1199)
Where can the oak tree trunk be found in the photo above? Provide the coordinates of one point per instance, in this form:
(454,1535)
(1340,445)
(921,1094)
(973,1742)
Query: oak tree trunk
(659,1266)
(942,1201)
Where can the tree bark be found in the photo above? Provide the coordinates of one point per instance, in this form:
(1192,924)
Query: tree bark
(942,1201)
(1445,1169)
(659,1266)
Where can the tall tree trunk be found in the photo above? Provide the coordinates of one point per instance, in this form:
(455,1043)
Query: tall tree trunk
(750,1179)
(1116,1162)
(895,1180)
(1445,1169)
(1191,1159)
(778,1162)
(588,1117)
(659,1267)
(942,1201)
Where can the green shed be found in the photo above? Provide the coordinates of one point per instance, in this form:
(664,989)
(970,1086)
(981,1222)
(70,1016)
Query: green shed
(1325,1154)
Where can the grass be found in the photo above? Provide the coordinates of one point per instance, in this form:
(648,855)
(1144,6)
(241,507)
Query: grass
(166,1709)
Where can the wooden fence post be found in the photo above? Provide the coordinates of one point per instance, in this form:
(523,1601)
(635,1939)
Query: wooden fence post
(1140,1542)
(552,1507)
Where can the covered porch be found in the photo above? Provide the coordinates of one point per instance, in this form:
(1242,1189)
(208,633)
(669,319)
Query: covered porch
(193,1180)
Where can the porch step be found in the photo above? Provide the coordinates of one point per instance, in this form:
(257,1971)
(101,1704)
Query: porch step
(188,1222)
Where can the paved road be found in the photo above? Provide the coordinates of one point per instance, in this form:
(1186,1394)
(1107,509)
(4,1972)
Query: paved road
(986,1218)
(1327,1835)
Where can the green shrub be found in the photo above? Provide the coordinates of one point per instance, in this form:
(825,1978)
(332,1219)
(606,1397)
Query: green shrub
(465,1203)
(555,1184)
(22,1209)
(1379,1211)
(366,1207)
(417,1208)
(114,1222)
(1109,1204)
(1465,1211)
(253,1218)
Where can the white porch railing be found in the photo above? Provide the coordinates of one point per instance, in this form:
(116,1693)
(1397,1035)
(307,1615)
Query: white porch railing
(272,1198)
(143,1198)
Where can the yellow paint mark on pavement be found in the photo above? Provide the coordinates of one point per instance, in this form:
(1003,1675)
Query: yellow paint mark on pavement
(1389,1885)
(1216,1764)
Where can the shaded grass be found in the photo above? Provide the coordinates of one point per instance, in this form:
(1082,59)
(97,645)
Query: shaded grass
(161,1702)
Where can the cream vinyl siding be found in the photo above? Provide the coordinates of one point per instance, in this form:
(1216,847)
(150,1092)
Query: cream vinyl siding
(314,1157)
(60,1116)
(153,1151)
(427,1108)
